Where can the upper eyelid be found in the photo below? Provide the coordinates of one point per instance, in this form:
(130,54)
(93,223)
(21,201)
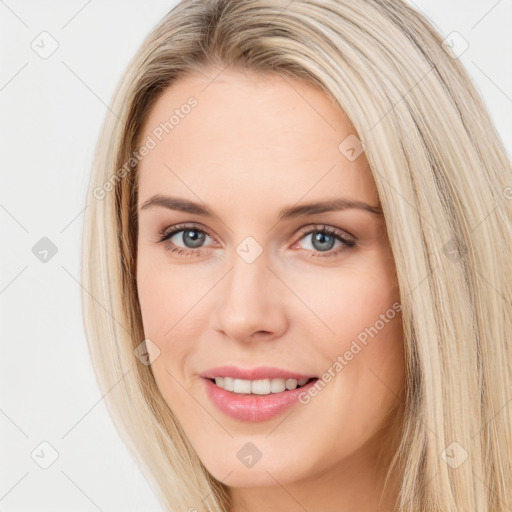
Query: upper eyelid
(183,227)
(326,227)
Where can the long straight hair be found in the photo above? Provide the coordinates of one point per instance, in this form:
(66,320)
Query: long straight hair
(444,183)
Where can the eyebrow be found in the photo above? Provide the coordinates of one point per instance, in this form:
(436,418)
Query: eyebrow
(338,204)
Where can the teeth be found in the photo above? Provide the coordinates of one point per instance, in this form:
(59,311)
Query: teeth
(241,386)
(258,387)
(277,385)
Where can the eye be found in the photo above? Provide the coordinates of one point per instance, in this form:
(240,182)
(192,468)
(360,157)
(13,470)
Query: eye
(323,239)
(189,239)
(189,236)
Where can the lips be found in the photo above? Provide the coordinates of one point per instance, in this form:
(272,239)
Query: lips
(257,373)
(253,408)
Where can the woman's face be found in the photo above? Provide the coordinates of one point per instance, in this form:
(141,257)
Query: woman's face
(249,279)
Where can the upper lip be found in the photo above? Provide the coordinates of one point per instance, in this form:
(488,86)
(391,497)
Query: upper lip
(257,373)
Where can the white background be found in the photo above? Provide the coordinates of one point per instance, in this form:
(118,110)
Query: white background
(51,112)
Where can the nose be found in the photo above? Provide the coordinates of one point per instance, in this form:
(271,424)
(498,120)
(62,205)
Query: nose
(250,302)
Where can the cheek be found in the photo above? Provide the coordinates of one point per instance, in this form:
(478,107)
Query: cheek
(164,300)
(350,300)
(361,326)
(173,308)
(165,296)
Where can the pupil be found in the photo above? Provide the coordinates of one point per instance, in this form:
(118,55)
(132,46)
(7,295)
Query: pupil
(319,241)
(192,238)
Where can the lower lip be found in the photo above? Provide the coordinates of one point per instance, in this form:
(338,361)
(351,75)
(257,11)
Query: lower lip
(253,407)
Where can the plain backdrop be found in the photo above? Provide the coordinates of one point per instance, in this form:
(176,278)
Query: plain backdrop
(51,411)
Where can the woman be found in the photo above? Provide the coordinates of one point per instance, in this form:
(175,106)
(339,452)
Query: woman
(297,263)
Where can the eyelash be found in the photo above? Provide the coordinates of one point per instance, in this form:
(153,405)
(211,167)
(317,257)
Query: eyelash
(348,244)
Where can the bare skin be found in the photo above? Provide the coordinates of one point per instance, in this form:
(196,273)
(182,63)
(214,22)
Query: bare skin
(252,146)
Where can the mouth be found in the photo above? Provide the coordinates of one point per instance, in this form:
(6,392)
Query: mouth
(260,386)
(256,400)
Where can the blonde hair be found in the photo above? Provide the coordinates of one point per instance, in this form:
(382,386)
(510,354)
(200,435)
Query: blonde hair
(443,179)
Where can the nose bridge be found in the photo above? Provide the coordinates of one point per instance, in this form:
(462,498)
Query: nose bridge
(245,279)
(247,301)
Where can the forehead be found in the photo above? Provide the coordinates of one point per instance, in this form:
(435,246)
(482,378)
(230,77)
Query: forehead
(251,135)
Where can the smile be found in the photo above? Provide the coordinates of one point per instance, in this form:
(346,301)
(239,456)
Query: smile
(261,403)
(258,387)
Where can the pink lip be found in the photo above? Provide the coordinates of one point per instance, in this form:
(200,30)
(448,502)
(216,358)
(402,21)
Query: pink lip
(254,408)
(260,372)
